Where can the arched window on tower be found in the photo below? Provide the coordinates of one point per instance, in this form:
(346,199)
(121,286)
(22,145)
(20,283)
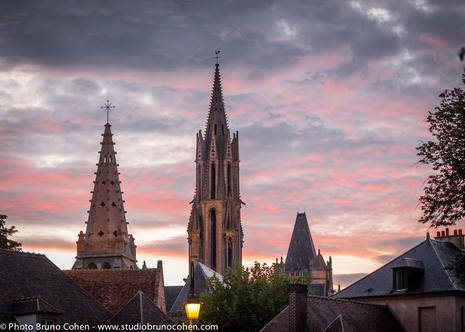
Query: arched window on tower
(230,253)
(213,181)
(229,179)
(213,238)
(200,227)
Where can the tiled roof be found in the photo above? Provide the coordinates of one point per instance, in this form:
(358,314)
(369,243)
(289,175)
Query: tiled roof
(140,309)
(114,288)
(434,256)
(301,252)
(325,314)
(201,274)
(31,305)
(318,289)
(171,293)
(27,275)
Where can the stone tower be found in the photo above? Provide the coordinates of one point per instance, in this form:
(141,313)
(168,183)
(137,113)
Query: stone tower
(214,231)
(106,243)
(301,256)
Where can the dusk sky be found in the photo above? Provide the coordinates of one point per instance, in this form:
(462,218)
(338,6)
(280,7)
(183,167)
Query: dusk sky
(329,98)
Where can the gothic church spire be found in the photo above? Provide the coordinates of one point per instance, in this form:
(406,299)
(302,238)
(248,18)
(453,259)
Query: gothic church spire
(106,242)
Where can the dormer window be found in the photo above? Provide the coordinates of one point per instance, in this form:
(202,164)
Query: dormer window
(407,273)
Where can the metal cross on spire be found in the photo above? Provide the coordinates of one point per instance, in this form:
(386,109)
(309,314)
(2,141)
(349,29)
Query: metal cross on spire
(108,107)
(217,52)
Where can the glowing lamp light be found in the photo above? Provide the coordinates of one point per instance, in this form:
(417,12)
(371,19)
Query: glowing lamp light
(193,304)
(192,307)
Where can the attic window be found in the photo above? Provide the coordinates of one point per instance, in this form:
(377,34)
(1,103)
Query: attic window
(113,204)
(102,204)
(112,182)
(100,233)
(400,279)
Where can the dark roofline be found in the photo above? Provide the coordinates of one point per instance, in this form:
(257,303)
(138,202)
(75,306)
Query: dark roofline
(392,260)
(403,294)
(20,252)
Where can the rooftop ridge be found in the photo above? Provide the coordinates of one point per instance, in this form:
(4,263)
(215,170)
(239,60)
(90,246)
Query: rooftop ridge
(369,274)
(326,298)
(21,252)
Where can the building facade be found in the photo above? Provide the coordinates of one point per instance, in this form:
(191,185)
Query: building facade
(419,286)
(106,244)
(214,230)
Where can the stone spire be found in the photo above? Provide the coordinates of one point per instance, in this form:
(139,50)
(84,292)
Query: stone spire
(301,252)
(214,228)
(106,242)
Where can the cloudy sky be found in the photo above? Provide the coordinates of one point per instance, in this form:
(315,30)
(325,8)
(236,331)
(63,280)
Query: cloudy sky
(329,98)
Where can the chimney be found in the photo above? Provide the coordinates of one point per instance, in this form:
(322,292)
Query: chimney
(297,307)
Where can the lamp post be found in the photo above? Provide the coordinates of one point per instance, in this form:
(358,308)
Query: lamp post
(193,304)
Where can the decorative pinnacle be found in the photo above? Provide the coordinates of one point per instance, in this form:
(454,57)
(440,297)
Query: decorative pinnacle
(217,52)
(108,107)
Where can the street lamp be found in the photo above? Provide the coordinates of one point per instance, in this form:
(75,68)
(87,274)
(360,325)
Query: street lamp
(193,304)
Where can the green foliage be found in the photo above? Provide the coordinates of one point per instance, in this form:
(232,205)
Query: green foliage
(6,243)
(247,299)
(443,202)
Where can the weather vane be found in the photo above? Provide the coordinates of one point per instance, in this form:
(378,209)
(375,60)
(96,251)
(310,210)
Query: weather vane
(107,107)
(217,52)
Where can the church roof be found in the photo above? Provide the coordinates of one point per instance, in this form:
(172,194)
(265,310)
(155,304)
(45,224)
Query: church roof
(217,131)
(201,274)
(431,256)
(28,276)
(140,309)
(114,288)
(326,314)
(301,252)
(107,219)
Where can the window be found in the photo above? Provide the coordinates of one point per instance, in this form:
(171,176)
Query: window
(229,179)
(400,279)
(213,181)
(213,238)
(215,128)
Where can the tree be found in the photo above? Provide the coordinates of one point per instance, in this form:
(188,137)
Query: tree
(246,299)
(6,243)
(443,201)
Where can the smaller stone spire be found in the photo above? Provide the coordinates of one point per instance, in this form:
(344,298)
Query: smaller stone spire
(106,242)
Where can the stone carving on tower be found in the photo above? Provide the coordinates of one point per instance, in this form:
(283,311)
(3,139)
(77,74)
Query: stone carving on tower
(106,244)
(214,230)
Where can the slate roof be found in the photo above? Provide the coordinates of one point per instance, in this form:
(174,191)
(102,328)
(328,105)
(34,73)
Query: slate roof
(326,314)
(318,288)
(31,305)
(171,293)
(433,255)
(27,275)
(114,288)
(201,274)
(140,309)
(301,252)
